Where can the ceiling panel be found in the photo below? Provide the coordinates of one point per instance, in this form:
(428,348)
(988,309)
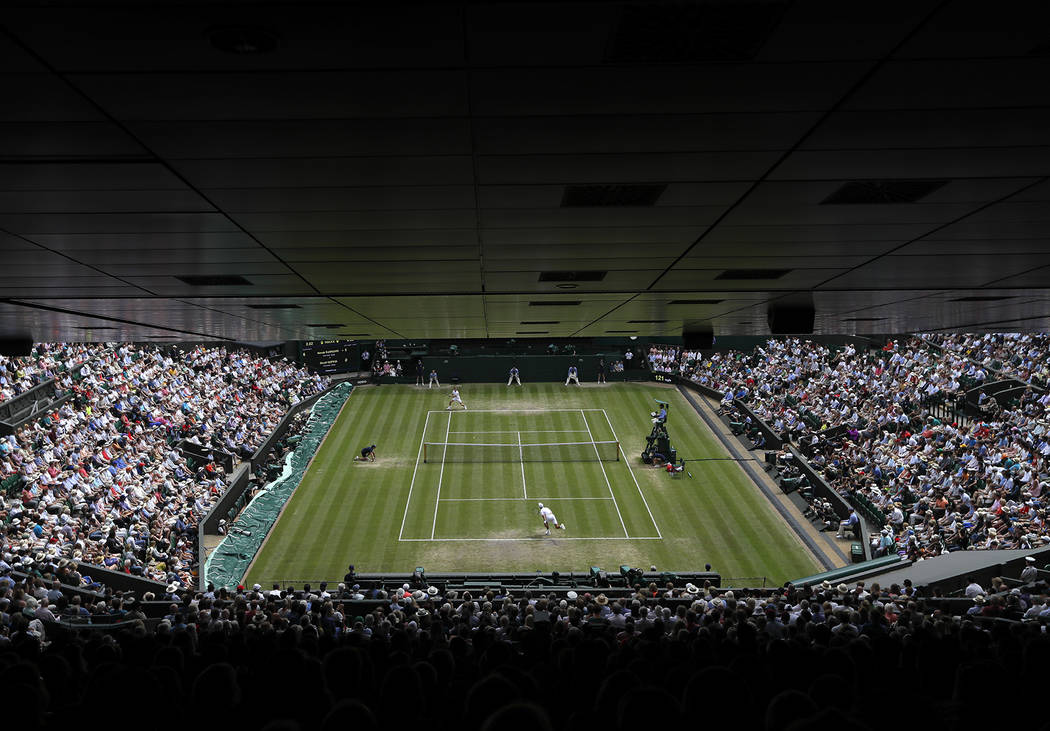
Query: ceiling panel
(367,253)
(588,235)
(422,306)
(305,137)
(42,97)
(371,237)
(277,95)
(416,197)
(662,89)
(955,82)
(39,139)
(326,172)
(618,168)
(101,201)
(930,128)
(940,271)
(342,221)
(640,133)
(922,163)
(627,216)
(269,284)
(402,174)
(171,240)
(86,223)
(178,40)
(86,175)
(701,279)
(965,29)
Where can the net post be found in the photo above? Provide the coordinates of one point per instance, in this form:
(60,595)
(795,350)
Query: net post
(617,451)
(424,452)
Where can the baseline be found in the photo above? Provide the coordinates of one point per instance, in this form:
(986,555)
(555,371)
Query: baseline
(535,538)
(523,431)
(514,411)
(516,499)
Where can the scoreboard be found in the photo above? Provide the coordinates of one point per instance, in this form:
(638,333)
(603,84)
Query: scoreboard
(331,356)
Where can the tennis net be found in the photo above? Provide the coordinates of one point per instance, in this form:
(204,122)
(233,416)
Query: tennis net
(461,452)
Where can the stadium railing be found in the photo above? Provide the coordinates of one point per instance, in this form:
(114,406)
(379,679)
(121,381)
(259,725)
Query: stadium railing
(565,581)
(853,571)
(242,477)
(259,458)
(839,504)
(200,452)
(30,405)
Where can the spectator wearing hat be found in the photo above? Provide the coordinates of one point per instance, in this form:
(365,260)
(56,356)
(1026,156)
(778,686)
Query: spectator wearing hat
(1029,573)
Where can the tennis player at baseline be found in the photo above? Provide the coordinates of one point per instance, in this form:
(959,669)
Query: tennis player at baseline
(548,519)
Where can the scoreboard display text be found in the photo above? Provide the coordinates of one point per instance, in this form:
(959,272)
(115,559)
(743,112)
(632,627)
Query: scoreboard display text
(330,356)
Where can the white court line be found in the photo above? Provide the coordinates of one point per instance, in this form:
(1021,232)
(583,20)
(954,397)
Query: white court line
(524,431)
(521,456)
(515,499)
(441,473)
(536,538)
(513,411)
(629,469)
(607,483)
(419,455)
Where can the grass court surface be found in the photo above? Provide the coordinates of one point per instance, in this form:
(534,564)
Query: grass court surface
(469,507)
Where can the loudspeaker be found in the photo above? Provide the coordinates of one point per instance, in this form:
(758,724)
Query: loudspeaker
(791,320)
(16,346)
(698,339)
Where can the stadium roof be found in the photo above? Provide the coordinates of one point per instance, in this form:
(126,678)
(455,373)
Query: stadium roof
(265,171)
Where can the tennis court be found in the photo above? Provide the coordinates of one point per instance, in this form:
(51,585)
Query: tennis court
(475,469)
(470,507)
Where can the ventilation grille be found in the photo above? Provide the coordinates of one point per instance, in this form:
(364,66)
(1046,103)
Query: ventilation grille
(983,298)
(577,276)
(753,273)
(540,322)
(555,303)
(718,30)
(875,192)
(695,302)
(329,325)
(533,332)
(213,280)
(273,307)
(592,196)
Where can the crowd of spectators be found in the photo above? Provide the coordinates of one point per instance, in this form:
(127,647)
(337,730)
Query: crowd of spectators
(1024,356)
(863,420)
(826,656)
(101,480)
(48,360)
